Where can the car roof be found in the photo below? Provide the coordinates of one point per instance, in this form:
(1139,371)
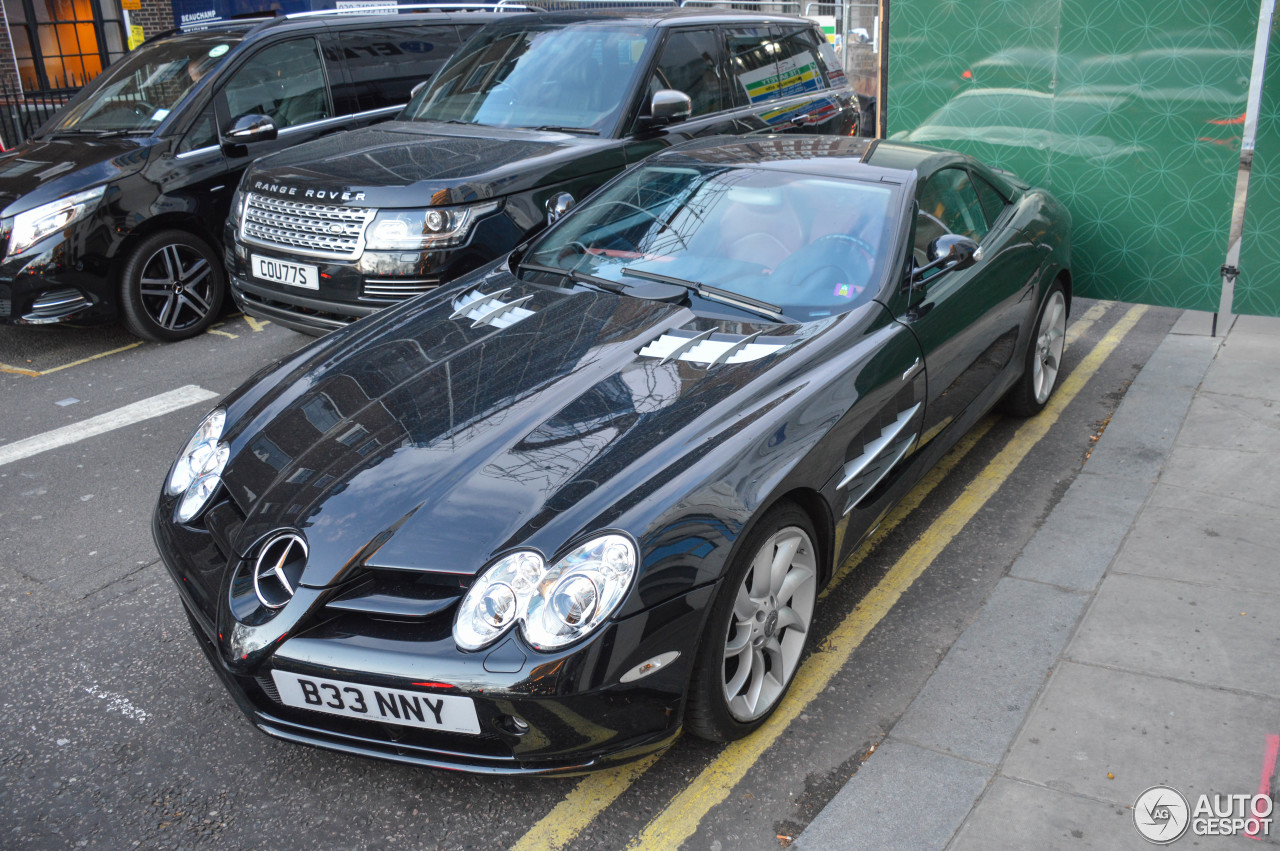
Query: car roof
(662,16)
(311,20)
(837,156)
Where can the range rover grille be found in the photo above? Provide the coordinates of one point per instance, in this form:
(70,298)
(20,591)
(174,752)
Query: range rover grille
(318,230)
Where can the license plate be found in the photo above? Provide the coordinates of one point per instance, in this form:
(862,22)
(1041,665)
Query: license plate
(284,272)
(389,705)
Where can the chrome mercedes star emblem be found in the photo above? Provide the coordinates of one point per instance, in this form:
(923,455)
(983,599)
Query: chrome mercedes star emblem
(278,570)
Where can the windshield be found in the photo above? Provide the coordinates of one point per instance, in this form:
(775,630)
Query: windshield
(137,93)
(569,78)
(812,245)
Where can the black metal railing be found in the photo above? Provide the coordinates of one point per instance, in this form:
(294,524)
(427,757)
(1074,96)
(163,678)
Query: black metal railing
(21,114)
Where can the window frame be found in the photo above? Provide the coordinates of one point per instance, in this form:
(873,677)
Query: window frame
(223,109)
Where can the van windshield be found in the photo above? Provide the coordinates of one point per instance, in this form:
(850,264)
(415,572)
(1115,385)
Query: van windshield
(574,79)
(138,92)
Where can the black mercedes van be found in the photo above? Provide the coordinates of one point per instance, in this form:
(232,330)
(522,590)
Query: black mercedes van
(533,113)
(115,207)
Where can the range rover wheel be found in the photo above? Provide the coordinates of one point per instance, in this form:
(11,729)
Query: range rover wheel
(1043,359)
(172,287)
(758,629)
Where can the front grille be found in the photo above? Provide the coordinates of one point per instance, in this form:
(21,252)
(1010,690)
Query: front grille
(6,304)
(318,230)
(402,288)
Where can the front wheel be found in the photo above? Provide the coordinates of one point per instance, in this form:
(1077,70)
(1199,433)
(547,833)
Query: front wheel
(172,287)
(1043,359)
(758,629)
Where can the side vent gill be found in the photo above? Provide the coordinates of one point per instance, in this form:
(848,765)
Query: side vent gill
(863,473)
(701,349)
(490,309)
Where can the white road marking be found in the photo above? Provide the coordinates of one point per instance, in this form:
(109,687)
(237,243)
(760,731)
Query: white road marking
(156,406)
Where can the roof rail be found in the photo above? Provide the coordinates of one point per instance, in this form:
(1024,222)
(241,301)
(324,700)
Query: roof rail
(392,6)
(591,5)
(756,5)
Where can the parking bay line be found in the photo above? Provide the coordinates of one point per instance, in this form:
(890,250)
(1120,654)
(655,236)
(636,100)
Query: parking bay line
(36,373)
(594,793)
(681,817)
(156,406)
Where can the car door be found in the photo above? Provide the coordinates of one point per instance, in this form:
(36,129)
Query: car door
(691,61)
(287,81)
(967,320)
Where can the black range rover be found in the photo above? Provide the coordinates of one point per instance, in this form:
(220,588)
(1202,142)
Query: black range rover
(114,208)
(528,117)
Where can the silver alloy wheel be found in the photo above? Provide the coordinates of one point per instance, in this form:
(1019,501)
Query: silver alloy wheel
(176,287)
(771,614)
(1050,340)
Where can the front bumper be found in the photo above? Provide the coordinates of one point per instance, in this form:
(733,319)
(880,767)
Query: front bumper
(56,284)
(573,713)
(352,289)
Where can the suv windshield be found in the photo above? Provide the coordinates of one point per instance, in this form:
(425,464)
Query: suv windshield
(137,93)
(563,78)
(812,245)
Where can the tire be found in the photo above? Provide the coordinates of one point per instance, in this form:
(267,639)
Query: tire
(171,287)
(1043,359)
(754,641)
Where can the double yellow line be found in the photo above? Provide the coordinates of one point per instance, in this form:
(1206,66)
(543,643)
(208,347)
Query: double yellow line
(682,815)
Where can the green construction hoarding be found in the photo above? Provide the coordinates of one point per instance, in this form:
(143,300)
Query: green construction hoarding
(1130,111)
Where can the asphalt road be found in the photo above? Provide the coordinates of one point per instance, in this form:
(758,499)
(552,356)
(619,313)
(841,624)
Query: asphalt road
(117,734)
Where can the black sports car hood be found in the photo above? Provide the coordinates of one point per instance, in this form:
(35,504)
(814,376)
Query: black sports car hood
(431,438)
(413,163)
(44,170)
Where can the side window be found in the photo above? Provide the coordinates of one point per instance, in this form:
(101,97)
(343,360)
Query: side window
(948,204)
(753,73)
(284,81)
(203,132)
(384,64)
(690,63)
(798,64)
(993,203)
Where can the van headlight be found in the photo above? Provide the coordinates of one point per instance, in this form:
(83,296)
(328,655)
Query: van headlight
(198,471)
(35,224)
(554,606)
(433,227)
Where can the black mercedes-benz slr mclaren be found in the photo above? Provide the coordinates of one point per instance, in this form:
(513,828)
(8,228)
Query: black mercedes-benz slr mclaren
(547,517)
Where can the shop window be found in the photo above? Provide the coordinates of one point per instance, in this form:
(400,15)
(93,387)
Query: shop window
(59,45)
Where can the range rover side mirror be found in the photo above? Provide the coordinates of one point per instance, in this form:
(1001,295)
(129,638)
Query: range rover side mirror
(251,128)
(413,93)
(667,106)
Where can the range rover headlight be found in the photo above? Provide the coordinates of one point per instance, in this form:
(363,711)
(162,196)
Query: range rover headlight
(35,224)
(434,227)
(198,471)
(554,605)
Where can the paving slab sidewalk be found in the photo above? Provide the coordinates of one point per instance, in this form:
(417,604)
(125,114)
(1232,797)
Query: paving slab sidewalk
(1133,642)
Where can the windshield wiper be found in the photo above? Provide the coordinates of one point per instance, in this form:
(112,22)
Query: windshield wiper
(576,277)
(556,128)
(707,291)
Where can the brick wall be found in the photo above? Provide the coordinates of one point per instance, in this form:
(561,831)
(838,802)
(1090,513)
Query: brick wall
(155,17)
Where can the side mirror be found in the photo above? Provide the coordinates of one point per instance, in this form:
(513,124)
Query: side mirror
(413,93)
(667,106)
(558,206)
(957,252)
(248,129)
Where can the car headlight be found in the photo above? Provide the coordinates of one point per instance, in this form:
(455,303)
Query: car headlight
(433,227)
(35,224)
(555,605)
(198,471)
